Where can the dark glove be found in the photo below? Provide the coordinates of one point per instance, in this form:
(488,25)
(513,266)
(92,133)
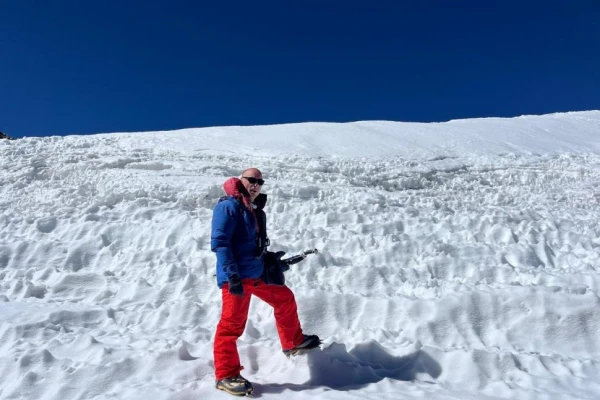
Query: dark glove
(280,264)
(235,285)
(274,267)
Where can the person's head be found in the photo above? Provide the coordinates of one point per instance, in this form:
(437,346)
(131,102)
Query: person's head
(252,180)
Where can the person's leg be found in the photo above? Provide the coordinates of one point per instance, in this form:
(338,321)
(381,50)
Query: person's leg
(231,326)
(281,298)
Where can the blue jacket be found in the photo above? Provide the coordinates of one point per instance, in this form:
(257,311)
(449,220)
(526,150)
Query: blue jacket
(233,239)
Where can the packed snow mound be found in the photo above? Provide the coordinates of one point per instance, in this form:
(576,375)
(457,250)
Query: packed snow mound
(457,261)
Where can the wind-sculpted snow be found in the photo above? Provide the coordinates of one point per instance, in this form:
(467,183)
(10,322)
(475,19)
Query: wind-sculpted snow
(441,276)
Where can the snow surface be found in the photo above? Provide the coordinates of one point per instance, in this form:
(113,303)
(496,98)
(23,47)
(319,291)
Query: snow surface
(459,260)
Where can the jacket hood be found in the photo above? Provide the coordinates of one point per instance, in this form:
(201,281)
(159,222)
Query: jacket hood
(235,188)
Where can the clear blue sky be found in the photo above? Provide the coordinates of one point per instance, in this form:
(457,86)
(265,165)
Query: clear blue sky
(75,67)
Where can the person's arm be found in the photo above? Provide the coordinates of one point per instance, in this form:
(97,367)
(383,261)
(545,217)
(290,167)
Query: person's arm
(225,216)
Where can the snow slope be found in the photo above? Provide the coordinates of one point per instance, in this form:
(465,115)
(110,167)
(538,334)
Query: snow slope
(458,260)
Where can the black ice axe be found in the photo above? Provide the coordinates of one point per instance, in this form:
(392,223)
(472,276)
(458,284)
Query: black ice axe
(275,266)
(299,257)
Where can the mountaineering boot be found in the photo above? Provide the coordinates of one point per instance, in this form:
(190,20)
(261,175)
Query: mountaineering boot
(310,342)
(236,385)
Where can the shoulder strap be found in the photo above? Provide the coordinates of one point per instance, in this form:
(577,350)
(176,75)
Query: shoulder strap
(262,240)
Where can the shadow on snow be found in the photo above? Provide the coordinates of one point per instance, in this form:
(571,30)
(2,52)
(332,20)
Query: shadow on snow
(336,368)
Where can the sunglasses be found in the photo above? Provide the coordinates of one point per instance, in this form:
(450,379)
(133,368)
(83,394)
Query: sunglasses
(254,181)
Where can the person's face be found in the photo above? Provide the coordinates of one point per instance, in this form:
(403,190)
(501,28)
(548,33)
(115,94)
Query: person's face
(251,181)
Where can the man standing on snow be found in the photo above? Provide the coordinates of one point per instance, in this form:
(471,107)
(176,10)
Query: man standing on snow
(239,239)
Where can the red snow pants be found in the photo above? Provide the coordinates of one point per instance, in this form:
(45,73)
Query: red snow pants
(234,315)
